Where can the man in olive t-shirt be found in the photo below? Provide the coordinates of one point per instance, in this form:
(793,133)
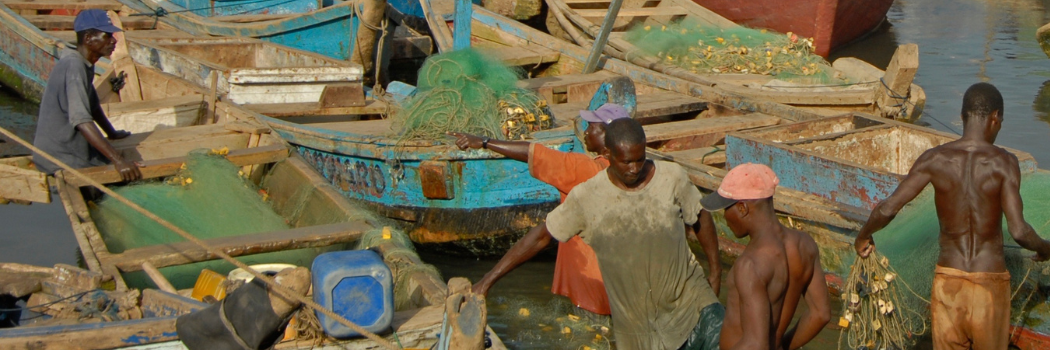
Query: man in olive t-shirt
(634,215)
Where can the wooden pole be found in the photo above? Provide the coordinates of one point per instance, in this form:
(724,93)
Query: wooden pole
(602,37)
(158,278)
(279,289)
(893,91)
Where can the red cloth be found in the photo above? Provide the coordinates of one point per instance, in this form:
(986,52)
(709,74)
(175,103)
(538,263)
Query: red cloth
(576,273)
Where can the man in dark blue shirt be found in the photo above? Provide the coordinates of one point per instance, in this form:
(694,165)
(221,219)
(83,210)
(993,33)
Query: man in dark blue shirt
(70,108)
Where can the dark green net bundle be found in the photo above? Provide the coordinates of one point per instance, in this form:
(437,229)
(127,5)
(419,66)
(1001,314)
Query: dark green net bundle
(466,91)
(711,50)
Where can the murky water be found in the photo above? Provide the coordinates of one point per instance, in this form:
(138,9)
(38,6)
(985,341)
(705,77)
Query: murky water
(961,42)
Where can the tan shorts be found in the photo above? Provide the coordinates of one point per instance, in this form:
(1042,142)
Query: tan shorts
(970,310)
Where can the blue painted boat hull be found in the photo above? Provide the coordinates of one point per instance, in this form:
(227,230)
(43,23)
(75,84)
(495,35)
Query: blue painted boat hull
(486,196)
(330,31)
(27,55)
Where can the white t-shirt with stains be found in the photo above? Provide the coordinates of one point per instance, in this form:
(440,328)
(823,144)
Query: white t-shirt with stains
(656,286)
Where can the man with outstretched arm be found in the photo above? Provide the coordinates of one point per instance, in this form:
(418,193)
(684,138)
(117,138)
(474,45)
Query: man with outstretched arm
(779,267)
(975,184)
(576,273)
(635,215)
(70,111)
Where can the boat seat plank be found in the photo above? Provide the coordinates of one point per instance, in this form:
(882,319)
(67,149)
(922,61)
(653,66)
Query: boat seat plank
(530,55)
(636,12)
(56,22)
(653,105)
(703,126)
(107,174)
(70,36)
(109,5)
(163,255)
(564,80)
(282,110)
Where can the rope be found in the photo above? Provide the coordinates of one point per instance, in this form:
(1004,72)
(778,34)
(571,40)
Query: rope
(283,291)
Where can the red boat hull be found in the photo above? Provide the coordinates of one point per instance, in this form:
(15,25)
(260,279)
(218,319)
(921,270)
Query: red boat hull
(830,22)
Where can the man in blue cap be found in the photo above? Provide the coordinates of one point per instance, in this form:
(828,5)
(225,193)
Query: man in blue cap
(70,113)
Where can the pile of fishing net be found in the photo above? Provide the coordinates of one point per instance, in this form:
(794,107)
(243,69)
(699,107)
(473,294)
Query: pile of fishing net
(542,324)
(911,244)
(706,50)
(465,91)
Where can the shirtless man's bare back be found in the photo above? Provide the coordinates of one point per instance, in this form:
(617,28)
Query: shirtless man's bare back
(975,183)
(779,266)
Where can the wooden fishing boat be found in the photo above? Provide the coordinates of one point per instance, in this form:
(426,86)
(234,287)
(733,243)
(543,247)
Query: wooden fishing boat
(332,31)
(831,23)
(890,93)
(479,200)
(320,217)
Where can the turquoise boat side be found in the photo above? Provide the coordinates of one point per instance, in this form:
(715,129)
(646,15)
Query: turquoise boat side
(379,171)
(208,8)
(27,55)
(331,31)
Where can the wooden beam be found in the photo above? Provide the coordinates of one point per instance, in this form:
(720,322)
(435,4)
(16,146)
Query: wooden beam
(892,93)
(314,109)
(57,22)
(163,255)
(702,126)
(649,106)
(103,335)
(107,174)
(19,180)
(108,5)
(158,278)
(636,12)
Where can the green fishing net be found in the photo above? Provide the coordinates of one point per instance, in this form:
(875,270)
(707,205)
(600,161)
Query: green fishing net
(465,91)
(208,197)
(706,50)
(911,244)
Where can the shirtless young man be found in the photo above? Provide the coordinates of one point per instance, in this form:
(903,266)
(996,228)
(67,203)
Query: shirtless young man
(975,183)
(779,266)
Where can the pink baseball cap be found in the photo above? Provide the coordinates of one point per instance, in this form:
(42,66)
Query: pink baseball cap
(744,182)
(605,114)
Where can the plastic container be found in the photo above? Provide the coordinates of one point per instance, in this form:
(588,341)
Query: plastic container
(357,285)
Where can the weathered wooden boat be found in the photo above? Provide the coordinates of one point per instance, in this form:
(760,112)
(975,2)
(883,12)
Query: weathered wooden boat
(831,23)
(333,31)
(832,173)
(31,42)
(320,217)
(896,97)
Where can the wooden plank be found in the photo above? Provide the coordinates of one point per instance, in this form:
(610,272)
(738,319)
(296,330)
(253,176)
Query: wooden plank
(158,278)
(167,167)
(649,106)
(163,255)
(57,22)
(564,80)
(705,155)
(280,110)
(636,12)
(102,335)
(108,5)
(19,180)
(702,126)
(522,56)
(123,66)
